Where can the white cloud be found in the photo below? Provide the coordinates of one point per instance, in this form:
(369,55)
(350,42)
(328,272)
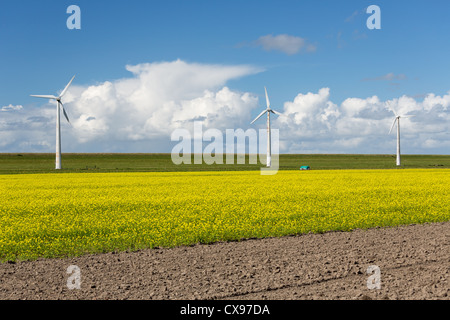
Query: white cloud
(313,123)
(142,109)
(310,114)
(139,113)
(11,108)
(284,43)
(159,98)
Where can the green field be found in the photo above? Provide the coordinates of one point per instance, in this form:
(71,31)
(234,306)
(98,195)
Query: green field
(12,163)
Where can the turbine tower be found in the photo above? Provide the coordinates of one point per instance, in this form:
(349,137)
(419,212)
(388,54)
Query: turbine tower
(59,106)
(268,110)
(397,120)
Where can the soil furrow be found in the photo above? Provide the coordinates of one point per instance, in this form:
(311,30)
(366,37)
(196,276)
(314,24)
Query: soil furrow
(414,263)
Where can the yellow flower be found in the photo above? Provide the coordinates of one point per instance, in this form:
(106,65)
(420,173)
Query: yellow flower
(55,215)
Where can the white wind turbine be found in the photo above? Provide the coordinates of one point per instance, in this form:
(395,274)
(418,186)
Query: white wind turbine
(268,110)
(59,106)
(397,120)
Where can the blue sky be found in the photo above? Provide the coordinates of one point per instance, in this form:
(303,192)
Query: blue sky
(407,57)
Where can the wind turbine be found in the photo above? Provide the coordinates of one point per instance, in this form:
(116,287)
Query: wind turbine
(397,120)
(59,106)
(268,110)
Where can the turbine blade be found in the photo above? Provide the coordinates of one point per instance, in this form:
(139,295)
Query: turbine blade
(64,111)
(260,115)
(277,113)
(408,116)
(393,124)
(393,111)
(67,87)
(267,99)
(44,96)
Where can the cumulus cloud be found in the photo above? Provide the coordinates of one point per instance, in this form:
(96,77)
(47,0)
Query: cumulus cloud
(313,123)
(11,108)
(159,98)
(27,130)
(310,114)
(284,43)
(138,114)
(146,107)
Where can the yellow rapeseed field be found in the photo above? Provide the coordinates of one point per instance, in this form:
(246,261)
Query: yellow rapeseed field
(57,215)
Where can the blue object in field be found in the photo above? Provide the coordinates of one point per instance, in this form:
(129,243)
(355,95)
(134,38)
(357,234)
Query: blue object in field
(305,168)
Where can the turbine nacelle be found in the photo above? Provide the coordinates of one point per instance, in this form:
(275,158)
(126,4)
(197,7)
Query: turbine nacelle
(397,120)
(268,109)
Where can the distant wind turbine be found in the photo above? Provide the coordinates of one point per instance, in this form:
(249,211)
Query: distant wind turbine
(59,106)
(397,120)
(268,110)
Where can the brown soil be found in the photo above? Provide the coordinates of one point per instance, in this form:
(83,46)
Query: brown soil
(414,262)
